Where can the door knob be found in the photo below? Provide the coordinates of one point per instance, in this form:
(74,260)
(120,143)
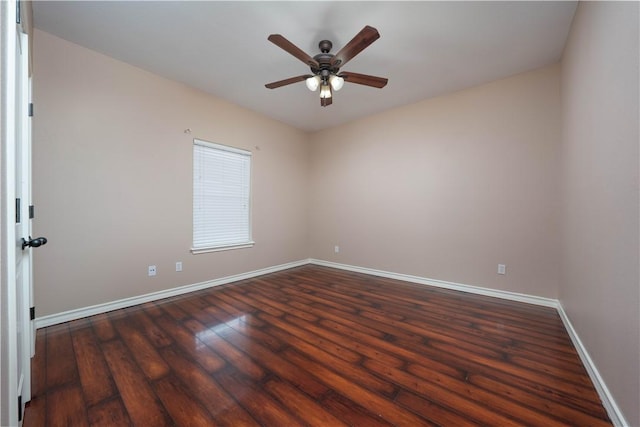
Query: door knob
(33,243)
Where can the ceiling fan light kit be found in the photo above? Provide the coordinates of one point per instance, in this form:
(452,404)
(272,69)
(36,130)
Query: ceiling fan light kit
(336,82)
(325,91)
(313,83)
(325,66)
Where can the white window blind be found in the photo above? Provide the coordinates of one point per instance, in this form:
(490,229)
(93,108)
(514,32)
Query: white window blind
(221,197)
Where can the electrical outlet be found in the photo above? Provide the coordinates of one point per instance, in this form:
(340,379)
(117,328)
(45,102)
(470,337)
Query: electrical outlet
(179,266)
(502,269)
(152,270)
(336,249)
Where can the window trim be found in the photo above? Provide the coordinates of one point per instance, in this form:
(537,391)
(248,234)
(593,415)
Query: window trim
(221,248)
(230,246)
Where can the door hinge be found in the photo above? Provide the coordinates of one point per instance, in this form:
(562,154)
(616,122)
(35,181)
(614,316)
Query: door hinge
(17,211)
(32,313)
(19,408)
(31,211)
(31,109)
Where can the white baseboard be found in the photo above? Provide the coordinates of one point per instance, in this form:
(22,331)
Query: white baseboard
(512,296)
(79,313)
(614,412)
(603,391)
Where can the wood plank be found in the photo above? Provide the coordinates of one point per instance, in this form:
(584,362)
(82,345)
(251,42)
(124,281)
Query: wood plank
(251,396)
(225,350)
(141,403)
(181,404)
(350,412)
(198,310)
(65,407)
(151,308)
(102,326)
(217,300)
(35,414)
(150,329)
(60,354)
(173,309)
(241,305)
(110,413)
(209,360)
(435,413)
(145,354)
(95,377)
(207,391)
(301,405)
(246,324)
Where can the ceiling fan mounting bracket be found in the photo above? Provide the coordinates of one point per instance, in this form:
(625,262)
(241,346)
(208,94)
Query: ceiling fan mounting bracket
(325,46)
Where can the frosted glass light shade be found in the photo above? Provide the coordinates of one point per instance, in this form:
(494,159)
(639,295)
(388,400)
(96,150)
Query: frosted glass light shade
(313,83)
(336,82)
(325,91)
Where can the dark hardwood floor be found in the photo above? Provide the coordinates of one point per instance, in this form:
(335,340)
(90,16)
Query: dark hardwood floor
(314,346)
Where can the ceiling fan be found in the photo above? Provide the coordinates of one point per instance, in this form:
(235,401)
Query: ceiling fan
(325,66)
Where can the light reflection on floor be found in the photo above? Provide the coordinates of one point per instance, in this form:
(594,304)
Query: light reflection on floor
(214,332)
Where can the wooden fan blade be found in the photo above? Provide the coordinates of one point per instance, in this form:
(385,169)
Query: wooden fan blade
(325,101)
(364,79)
(287,81)
(364,38)
(294,50)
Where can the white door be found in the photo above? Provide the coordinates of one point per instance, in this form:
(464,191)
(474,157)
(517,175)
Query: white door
(23,222)
(16,164)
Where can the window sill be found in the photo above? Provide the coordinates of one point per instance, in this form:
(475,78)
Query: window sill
(222,248)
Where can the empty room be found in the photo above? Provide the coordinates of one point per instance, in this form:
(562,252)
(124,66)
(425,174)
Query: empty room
(320,213)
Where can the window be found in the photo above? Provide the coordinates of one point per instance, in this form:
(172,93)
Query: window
(221,197)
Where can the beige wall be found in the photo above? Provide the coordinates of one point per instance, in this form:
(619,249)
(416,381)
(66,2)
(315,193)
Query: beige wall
(447,188)
(600,282)
(112,180)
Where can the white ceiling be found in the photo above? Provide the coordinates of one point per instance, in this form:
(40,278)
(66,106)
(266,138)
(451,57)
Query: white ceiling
(425,49)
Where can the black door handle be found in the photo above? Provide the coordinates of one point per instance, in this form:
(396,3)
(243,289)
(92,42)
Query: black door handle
(33,243)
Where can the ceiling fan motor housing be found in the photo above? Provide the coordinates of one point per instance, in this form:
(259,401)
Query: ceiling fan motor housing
(323,59)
